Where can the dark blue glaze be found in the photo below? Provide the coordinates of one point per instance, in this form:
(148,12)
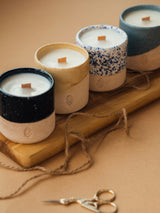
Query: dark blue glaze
(26,109)
(140,39)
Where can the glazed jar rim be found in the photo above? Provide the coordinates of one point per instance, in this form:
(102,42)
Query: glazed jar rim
(22,70)
(139,7)
(61,43)
(102,26)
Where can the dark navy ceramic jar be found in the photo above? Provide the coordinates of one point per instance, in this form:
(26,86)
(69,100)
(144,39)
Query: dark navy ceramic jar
(27,119)
(143,42)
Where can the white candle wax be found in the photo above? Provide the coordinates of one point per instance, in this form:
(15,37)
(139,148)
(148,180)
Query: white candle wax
(74,58)
(113,38)
(12,84)
(135,18)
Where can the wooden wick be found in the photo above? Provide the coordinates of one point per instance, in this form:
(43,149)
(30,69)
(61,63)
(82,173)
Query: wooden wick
(146,18)
(101,38)
(27,85)
(62,60)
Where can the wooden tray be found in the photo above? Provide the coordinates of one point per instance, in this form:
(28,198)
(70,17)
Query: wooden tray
(103,103)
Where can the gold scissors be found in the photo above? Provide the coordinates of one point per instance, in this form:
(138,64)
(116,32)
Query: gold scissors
(92,204)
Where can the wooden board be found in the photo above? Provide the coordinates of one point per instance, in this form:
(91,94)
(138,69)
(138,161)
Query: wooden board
(103,103)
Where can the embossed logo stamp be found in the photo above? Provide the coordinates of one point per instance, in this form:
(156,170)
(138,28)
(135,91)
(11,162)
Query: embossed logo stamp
(27,132)
(69,99)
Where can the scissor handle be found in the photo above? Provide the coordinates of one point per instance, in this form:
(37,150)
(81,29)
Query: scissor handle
(95,206)
(111,204)
(108,191)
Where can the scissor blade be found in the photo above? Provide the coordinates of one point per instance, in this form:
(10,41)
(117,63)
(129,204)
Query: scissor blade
(51,201)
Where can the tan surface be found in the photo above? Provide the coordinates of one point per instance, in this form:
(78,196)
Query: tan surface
(130,166)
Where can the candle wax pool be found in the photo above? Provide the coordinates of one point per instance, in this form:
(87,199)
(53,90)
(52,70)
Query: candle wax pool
(135,18)
(12,84)
(74,58)
(113,38)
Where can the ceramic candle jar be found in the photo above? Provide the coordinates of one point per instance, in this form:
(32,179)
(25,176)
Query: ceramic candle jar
(142,25)
(26,105)
(69,65)
(107,48)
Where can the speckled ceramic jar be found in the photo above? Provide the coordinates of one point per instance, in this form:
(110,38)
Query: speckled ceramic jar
(143,42)
(107,65)
(27,119)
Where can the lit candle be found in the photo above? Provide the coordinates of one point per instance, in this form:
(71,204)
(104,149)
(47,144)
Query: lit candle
(107,47)
(143,18)
(16,84)
(142,25)
(26,105)
(69,65)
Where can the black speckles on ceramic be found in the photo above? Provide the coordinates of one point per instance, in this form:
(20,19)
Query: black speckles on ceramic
(26,109)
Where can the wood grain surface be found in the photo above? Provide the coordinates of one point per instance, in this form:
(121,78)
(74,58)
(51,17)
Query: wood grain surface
(102,103)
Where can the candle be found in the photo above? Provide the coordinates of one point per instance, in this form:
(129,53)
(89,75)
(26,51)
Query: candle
(106,46)
(73,58)
(26,105)
(69,65)
(15,84)
(143,18)
(113,38)
(142,25)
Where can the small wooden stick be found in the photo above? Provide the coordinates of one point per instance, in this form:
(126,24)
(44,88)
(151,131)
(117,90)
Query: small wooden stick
(100,38)
(27,85)
(62,60)
(146,18)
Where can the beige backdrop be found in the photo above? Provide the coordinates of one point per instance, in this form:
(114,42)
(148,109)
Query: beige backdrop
(130,166)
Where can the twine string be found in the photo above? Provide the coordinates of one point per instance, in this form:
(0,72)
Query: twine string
(64,168)
(139,75)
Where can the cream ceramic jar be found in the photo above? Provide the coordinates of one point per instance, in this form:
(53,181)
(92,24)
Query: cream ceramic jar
(69,65)
(107,48)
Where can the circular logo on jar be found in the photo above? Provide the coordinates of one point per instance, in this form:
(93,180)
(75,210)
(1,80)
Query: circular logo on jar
(27,132)
(100,82)
(69,100)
